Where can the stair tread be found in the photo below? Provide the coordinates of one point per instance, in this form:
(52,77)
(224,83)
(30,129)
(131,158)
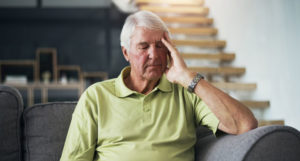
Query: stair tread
(193,30)
(235,86)
(270,122)
(219,70)
(187,19)
(213,56)
(176,9)
(172,2)
(201,43)
(256,104)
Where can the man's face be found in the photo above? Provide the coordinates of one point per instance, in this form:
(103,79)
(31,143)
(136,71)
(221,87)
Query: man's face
(147,54)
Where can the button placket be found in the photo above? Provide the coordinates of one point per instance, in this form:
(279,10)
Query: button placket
(146,109)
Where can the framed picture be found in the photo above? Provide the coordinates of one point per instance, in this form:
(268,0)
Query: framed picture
(46,63)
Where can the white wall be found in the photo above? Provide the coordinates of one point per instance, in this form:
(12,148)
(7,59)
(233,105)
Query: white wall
(265,35)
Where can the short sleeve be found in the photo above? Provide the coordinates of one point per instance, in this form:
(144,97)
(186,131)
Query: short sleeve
(81,139)
(205,117)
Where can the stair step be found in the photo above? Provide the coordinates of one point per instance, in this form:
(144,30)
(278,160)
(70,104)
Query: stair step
(194,31)
(172,2)
(219,70)
(235,86)
(201,43)
(270,122)
(216,56)
(203,11)
(256,104)
(187,20)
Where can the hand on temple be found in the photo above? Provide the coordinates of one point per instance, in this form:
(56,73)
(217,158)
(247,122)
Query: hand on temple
(177,71)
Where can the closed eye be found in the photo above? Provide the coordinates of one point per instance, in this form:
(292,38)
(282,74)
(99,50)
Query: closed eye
(143,45)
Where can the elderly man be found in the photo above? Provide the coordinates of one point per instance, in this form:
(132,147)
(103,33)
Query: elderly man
(151,111)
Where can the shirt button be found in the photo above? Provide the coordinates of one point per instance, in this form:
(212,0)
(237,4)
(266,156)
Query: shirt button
(146,109)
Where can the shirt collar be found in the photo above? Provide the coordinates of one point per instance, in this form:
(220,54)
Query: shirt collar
(164,85)
(123,91)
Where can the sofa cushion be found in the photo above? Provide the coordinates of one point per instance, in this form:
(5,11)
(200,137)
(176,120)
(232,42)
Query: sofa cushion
(267,143)
(11,107)
(45,130)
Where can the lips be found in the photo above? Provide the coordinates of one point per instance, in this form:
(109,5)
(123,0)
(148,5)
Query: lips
(154,65)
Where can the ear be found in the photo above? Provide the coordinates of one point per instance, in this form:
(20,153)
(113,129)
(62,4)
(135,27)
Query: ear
(125,53)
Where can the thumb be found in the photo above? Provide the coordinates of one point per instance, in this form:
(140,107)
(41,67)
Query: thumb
(167,70)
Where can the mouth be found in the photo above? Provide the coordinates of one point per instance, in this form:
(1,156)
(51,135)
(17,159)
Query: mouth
(154,65)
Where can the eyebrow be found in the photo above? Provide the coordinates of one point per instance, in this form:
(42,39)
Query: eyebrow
(142,43)
(146,43)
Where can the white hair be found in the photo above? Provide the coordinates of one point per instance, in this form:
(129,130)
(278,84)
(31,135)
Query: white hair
(145,19)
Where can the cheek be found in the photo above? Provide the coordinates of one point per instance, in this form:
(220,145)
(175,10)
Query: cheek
(138,60)
(142,60)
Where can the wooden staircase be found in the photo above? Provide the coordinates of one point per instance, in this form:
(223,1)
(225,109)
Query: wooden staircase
(186,18)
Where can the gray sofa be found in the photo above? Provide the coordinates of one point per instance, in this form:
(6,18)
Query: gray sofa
(38,133)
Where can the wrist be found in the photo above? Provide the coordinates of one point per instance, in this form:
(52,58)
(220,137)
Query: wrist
(194,82)
(186,78)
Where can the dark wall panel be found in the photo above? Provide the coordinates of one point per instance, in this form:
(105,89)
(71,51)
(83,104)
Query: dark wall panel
(85,37)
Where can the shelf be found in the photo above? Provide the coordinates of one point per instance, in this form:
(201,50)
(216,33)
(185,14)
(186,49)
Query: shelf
(46,64)
(92,77)
(30,87)
(19,68)
(69,72)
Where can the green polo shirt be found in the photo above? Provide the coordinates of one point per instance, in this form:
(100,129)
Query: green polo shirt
(113,123)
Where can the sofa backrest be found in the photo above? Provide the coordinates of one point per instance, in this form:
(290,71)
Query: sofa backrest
(45,130)
(11,107)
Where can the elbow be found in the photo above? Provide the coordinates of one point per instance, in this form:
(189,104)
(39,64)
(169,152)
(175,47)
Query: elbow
(248,125)
(251,124)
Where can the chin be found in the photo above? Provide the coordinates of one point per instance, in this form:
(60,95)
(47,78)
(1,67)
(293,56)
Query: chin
(154,73)
(154,76)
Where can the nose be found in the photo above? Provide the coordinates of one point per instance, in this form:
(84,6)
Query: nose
(152,52)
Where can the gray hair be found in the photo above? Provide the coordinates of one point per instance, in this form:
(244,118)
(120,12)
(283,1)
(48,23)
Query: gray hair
(145,19)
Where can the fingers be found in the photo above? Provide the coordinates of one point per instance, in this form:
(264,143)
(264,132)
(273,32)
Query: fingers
(173,54)
(166,35)
(167,39)
(168,45)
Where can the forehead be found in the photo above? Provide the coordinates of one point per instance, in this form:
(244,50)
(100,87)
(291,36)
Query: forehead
(142,34)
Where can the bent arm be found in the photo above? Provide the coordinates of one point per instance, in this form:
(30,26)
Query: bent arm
(234,117)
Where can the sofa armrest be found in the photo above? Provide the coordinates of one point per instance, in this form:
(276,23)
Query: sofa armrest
(274,143)
(11,108)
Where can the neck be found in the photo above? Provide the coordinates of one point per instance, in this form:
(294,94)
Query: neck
(139,84)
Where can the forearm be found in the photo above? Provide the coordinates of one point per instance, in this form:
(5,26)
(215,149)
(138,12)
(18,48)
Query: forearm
(235,118)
